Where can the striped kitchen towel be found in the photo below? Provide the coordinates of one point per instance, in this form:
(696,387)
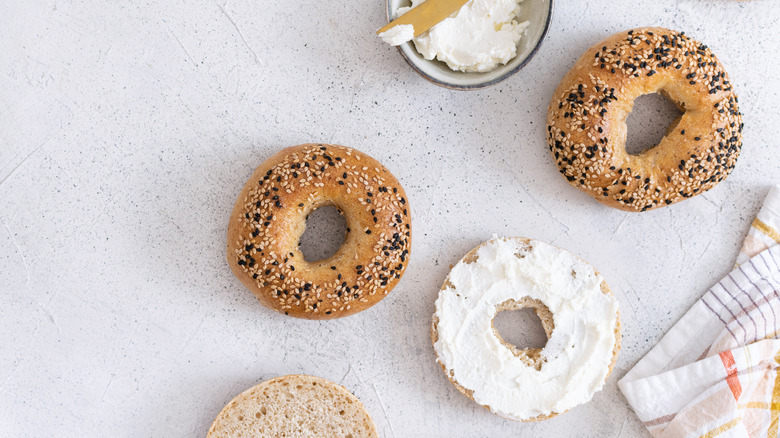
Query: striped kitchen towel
(717,371)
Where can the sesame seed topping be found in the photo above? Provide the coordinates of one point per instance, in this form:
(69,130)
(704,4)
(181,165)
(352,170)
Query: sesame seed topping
(587,152)
(263,255)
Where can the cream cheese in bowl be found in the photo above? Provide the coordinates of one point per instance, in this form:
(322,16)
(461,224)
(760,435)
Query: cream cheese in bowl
(482,44)
(479,37)
(397,35)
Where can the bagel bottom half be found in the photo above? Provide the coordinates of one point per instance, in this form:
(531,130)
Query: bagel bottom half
(532,359)
(294,406)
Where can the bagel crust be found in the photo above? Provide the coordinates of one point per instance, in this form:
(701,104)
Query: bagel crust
(294,406)
(270,217)
(586,120)
(533,356)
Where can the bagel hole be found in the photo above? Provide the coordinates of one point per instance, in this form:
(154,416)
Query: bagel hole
(326,230)
(652,118)
(521,327)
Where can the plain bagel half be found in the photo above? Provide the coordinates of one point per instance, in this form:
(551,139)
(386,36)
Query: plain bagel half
(294,406)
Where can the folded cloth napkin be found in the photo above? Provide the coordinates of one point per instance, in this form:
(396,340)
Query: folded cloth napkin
(717,371)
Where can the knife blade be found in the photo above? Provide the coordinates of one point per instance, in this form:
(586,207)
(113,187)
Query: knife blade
(426,15)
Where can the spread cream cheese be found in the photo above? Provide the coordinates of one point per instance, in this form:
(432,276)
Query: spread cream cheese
(482,34)
(397,35)
(577,356)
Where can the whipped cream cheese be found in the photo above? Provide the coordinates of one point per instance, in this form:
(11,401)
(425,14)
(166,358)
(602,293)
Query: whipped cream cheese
(577,355)
(481,35)
(397,35)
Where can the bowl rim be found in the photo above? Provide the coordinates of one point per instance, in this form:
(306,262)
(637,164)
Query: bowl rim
(501,78)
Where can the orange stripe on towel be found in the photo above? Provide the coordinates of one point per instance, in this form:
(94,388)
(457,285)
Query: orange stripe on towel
(731,374)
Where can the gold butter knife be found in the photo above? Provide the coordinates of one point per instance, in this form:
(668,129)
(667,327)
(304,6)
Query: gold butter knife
(426,15)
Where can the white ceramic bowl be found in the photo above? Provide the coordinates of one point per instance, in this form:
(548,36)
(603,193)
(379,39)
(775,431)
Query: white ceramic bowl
(537,12)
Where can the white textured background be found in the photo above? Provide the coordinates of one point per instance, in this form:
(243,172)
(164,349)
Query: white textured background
(128,128)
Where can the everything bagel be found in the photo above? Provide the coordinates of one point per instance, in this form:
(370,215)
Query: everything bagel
(270,217)
(586,120)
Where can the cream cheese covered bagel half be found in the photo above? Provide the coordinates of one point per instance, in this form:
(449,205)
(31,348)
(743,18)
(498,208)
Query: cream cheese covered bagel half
(577,310)
(270,216)
(586,120)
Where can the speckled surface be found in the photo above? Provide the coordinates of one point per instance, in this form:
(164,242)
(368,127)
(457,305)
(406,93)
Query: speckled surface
(128,128)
